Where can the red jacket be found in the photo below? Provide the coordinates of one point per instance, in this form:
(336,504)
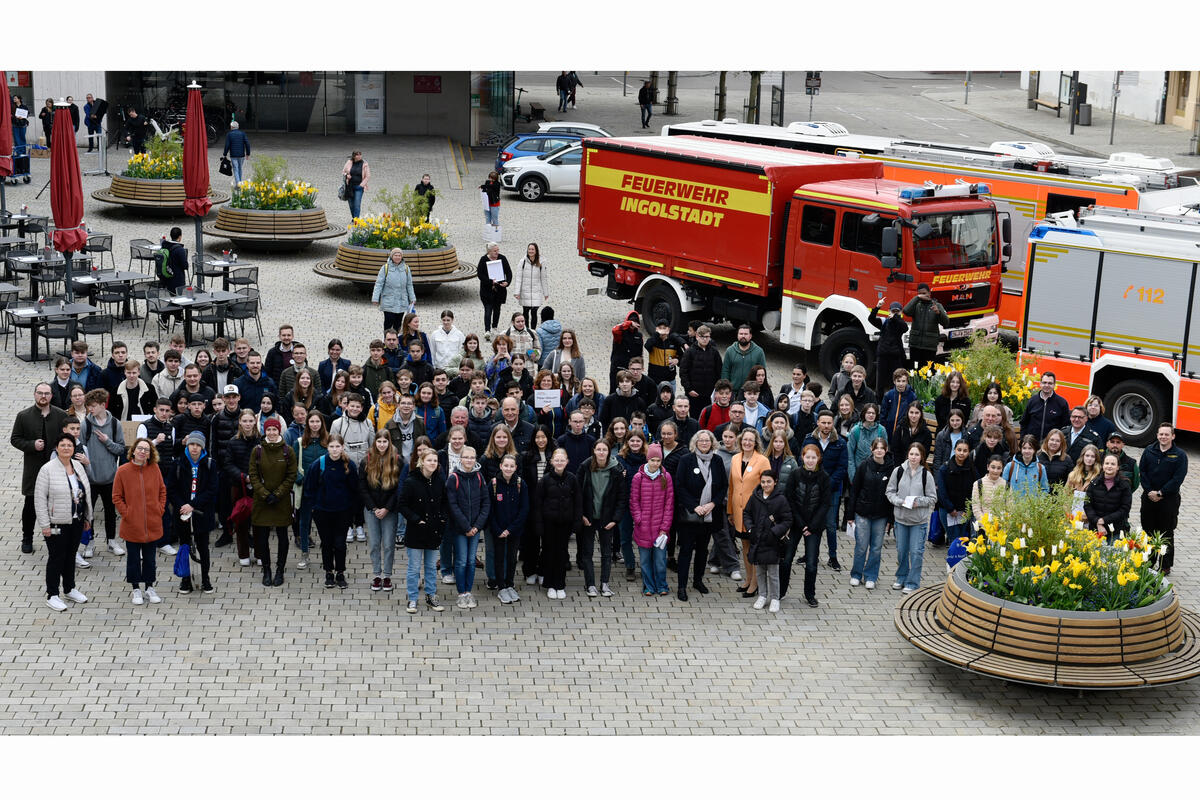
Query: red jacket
(713,417)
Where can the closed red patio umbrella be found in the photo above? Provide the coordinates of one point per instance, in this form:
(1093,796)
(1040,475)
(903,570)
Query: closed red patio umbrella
(66,191)
(195,170)
(6,140)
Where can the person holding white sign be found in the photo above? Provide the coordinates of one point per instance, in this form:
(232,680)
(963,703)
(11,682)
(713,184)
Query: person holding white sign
(494,276)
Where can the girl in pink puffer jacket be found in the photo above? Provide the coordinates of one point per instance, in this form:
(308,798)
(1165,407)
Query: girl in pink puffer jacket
(652,505)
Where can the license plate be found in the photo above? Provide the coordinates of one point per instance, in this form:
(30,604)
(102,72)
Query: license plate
(959,333)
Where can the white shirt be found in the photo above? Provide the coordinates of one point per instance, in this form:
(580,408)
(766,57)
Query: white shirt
(445,345)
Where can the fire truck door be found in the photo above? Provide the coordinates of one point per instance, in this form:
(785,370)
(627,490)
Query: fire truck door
(809,278)
(860,272)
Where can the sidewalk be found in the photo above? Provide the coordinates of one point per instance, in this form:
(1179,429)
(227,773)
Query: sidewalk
(1007,108)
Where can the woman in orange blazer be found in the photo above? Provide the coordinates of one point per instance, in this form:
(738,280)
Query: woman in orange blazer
(747,466)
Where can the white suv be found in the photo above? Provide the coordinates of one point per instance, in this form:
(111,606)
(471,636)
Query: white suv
(556,172)
(584,129)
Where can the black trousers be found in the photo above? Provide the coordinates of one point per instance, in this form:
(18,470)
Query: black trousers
(102,492)
(1162,517)
(60,559)
(139,563)
(28,520)
(392,320)
(920,357)
(530,313)
(504,554)
(262,544)
(693,547)
(884,367)
(812,558)
(331,526)
(491,310)
(585,547)
(554,553)
(531,552)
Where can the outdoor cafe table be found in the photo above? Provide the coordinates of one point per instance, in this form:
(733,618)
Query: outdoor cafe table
(202,300)
(30,265)
(219,267)
(90,282)
(42,312)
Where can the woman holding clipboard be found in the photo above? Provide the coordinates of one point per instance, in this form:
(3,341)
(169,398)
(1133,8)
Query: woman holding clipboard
(494,276)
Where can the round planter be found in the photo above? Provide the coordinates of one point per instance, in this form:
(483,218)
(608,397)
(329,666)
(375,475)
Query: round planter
(429,267)
(272,230)
(152,194)
(1060,637)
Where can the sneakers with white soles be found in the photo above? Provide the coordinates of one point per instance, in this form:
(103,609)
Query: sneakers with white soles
(854,581)
(760,603)
(152,595)
(774,608)
(56,603)
(79,562)
(870,584)
(76,596)
(137,597)
(605,591)
(115,546)
(168,549)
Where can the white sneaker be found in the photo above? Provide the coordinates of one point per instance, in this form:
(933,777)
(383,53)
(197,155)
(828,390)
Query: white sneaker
(774,607)
(462,601)
(412,607)
(79,562)
(513,597)
(907,590)
(854,581)
(531,580)
(350,534)
(562,594)
(115,546)
(245,562)
(303,562)
(152,595)
(447,579)
(76,596)
(471,601)
(760,603)
(605,591)
(591,592)
(713,570)
(169,549)
(89,551)
(360,534)
(551,594)
(870,584)
(502,596)
(137,597)
(736,575)
(56,603)
(897,586)
(258,562)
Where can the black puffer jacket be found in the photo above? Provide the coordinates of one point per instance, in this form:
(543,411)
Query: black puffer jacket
(868,492)
(236,458)
(423,504)
(699,371)
(1111,505)
(1057,469)
(769,524)
(557,501)
(222,427)
(808,494)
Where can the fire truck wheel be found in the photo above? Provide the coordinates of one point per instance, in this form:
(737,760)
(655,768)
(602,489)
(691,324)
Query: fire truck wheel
(1136,409)
(660,302)
(532,189)
(840,342)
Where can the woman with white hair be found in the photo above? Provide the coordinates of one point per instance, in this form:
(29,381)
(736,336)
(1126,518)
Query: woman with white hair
(394,290)
(237,147)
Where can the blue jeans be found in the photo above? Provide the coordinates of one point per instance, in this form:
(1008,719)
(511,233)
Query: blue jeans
(447,554)
(563,94)
(381,541)
(654,570)
(831,520)
(237,168)
(401,527)
(910,553)
(625,526)
(646,109)
(464,560)
(492,216)
(418,561)
(355,200)
(868,545)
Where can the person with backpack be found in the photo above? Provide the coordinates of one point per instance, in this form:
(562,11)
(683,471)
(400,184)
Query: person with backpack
(469,502)
(506,524)
(913,495)
(331,491)
(273,467)
(170,267)
(192,490)
(1025,473)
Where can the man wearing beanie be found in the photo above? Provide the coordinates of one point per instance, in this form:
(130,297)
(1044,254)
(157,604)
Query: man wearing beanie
(272,473)
(192,493)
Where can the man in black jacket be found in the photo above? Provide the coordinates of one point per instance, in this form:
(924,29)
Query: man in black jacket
(623,402)
(136,129)
(577,443)
(562,85)
(174,276)
(663,351)
(646,101)
(34,432)
(699,371)
(626,345)
(1163,468)
(1046,411)
(279,357)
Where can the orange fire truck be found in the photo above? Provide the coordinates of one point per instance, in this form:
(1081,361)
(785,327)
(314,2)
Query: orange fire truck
(1111,310)
(1028,179)
(691,228)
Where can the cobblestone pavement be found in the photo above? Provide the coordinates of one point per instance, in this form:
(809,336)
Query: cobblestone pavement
(303,659)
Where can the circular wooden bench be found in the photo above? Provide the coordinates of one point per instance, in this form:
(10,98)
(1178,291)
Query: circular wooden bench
(429,267)
(961,626)
(144,193)
(274,230)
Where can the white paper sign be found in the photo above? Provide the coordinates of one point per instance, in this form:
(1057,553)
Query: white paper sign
(486,203)
(85,279)
(495,270)
(908,501)
(22,113)
(546,397)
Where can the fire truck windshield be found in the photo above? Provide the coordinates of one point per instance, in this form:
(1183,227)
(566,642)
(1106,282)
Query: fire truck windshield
(955,240)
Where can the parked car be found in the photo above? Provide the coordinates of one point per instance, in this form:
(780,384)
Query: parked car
(556,172)
(581,129)
(532,144)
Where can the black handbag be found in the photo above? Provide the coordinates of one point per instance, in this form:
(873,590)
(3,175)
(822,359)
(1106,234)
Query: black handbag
(226,167)
(344,191)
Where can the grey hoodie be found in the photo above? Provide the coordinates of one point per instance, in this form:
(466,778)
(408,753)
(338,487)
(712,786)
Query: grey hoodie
(103,456)
(922,486)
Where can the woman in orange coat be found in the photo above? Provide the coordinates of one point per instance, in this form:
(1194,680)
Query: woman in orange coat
(744,470)
(141,496)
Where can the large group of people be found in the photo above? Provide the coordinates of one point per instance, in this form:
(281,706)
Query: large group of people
(690,465)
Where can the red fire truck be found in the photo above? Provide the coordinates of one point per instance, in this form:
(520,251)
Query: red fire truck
(693,228)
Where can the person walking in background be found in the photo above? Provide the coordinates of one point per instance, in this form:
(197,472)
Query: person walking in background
(492,293)
(573,79)
(645,102)
(237,147)
(62,509)
(491,213)
(74,109)
(140,495)
(425,189)
(136,130)
(357,174)
(562,85)
(927,315)
(93,118)
(531,287)
(394,293)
